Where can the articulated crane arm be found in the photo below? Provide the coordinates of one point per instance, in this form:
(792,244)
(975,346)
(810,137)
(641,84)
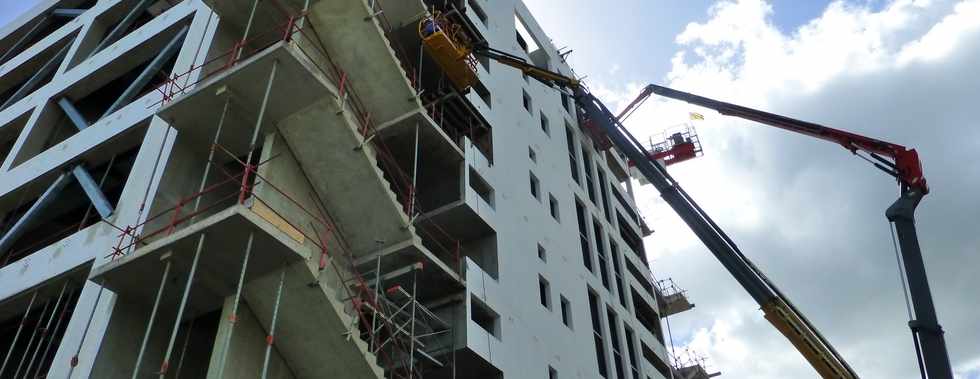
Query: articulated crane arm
(896,160)
(777,308)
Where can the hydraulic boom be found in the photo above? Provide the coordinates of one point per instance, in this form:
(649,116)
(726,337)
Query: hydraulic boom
(896,160)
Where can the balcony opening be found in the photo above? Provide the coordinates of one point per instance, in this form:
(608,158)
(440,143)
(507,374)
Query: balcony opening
(484,316)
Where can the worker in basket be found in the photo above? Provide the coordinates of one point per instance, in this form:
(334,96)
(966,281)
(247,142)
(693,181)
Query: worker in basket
(429,27)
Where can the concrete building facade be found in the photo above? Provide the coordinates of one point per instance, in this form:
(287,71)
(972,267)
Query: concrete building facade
(290,188)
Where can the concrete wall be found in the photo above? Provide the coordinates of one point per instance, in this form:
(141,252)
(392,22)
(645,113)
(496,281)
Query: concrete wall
(533,337)
(87,325)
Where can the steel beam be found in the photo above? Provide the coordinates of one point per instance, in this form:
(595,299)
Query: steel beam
(32,213)
(168,51)
(67,12)
(121,27)
(93,191)
(73,114)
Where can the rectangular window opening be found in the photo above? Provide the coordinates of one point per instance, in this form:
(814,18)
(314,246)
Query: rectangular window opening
(597,333)
(535,186)
(553,206)
(566,312)
(483,93)
(527,101)
(544,291)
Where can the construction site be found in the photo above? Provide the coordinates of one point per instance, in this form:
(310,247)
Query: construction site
(350,189)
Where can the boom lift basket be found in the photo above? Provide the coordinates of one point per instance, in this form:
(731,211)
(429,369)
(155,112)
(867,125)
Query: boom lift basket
(450,49)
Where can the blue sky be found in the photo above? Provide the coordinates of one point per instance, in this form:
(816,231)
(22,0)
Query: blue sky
(638,35)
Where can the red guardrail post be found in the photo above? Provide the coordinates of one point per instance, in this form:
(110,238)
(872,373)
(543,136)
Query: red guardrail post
(244,189)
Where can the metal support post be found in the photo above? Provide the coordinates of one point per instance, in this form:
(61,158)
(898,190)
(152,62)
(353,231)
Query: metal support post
(926,331)
(377,285)
(32,83)
(248,28)
(30,341)
(33,213)
(153,316)
(272,324)
(57,326)
(233,318)
(207,165)
(262,108)
(180,309)
(168,51)
(46,330)
(122,26)
(20,328)
(411,338)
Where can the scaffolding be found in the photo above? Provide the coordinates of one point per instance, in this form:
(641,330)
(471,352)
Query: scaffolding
(689,364)
(386,311)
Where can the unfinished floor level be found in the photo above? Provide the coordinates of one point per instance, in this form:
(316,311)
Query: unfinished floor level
(307,189)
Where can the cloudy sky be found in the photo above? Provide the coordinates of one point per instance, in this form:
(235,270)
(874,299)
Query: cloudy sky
(806,211)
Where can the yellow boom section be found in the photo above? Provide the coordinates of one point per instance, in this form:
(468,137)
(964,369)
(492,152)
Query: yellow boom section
(805,341)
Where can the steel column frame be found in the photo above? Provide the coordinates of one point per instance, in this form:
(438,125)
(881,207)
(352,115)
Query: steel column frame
(121,27)
(32,213)
(153,316)
(272,324)
(927,334)
(67,12)
(31,340)
(20,328)
(180,309)
(93,191)
(44,332)
(155,65)
(233,319)
(31,83)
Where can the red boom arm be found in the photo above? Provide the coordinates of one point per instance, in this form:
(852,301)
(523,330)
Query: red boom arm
(906,166)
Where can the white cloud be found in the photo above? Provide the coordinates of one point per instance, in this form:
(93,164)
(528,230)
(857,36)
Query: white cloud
(809,214)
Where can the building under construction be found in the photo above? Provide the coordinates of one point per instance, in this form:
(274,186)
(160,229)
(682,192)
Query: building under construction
(306,189)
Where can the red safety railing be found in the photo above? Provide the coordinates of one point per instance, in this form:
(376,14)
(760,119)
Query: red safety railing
(237,188)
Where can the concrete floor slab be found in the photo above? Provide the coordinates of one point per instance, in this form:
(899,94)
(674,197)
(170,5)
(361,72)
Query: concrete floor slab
(311,326)
(136,276)
(353,189)
(433,141)
(298,83)
(375,73)
(460,220)
(437,279)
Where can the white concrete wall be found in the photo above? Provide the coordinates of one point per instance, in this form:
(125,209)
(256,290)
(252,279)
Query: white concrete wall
(532,336)
(91,245)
